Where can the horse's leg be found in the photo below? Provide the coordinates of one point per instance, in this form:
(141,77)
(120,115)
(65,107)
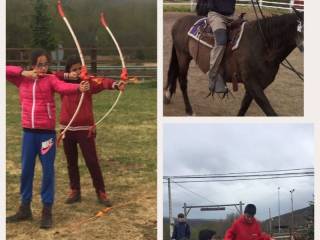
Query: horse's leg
(184,62)
(246,101)
(261,99)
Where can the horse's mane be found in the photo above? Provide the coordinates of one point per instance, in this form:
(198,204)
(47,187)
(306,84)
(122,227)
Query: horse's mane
(278,29)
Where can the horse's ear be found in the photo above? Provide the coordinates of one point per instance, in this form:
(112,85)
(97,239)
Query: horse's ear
(299,14)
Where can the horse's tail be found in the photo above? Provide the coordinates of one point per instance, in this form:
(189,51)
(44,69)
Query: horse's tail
(173,74)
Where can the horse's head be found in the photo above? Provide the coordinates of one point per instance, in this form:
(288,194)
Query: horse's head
(300,29)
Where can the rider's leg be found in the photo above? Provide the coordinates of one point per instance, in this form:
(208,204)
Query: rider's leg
(218,25)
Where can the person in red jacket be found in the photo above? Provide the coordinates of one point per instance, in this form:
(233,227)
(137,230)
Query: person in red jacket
(246,227)
(36,92)
(79,132)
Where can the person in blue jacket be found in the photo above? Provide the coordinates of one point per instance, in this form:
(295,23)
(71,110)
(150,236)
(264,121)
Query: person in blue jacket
(181,229)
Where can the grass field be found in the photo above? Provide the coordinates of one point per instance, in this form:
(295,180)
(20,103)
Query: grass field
(126,145)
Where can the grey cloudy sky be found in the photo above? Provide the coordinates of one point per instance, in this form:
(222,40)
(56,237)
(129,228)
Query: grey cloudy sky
(221,148)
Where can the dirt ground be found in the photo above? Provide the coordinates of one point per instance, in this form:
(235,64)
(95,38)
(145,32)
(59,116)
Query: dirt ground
(285,93)
(126,147)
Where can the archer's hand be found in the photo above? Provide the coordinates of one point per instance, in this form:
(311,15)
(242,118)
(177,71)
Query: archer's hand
(30,74)
(84,86)
(120,85)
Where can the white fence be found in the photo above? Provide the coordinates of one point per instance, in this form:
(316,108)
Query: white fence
(280,4)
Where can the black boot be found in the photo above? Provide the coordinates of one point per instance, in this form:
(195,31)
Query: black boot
(104,199)
(23,214)
(218,85)
(46,218)
(74,196)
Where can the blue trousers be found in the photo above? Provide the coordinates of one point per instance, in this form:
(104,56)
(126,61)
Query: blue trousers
(43,145)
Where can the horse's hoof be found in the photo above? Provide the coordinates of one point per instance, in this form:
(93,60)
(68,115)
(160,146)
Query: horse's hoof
(190,113)
(167,97)
(166,100)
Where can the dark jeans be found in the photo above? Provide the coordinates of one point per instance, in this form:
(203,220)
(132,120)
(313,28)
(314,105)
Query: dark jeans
(88,149)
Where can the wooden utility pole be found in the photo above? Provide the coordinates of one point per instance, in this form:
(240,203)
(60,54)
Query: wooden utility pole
(171,221)
(270,222)
(279,209)
(240,205)
(185,210)
(292,215)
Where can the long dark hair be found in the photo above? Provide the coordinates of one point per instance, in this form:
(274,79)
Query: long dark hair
(72,60)
(35,54)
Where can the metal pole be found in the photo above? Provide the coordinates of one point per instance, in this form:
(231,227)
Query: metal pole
(270,222)
(241,207)
(171,221)
(185,210)
(292,215)
(279,208)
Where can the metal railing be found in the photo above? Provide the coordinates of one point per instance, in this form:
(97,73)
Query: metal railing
(277,4)
(105,63)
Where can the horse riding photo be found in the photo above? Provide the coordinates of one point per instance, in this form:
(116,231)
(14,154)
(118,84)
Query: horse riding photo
(253,53)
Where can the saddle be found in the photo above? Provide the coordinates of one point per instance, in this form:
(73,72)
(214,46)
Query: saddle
(203,39)
(202,32)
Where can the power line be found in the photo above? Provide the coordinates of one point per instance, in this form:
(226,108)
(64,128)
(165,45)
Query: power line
(233,173)
(242,179)
(249,175)
(197,194)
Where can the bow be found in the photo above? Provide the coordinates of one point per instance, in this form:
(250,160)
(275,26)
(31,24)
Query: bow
(124,71)
(83,75)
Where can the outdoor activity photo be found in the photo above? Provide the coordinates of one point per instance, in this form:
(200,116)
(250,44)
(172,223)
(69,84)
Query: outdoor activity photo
(238,181)
(81,119)
(233,58)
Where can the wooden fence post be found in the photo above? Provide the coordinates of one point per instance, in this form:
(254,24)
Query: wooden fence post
(291,5)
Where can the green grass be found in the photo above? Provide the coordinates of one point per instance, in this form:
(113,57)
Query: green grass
(126,146)
(176,8)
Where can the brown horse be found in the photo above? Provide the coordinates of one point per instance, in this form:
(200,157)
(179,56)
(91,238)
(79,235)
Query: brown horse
(264,45)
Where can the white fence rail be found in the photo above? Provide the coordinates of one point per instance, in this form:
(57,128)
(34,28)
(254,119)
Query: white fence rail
(285,4)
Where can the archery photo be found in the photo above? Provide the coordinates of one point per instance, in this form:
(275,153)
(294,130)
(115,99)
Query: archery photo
(81,119)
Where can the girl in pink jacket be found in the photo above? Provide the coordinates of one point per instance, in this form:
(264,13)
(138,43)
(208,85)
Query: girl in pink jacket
(36,92)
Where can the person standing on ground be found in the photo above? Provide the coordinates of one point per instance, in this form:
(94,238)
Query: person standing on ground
(38,120)
(246,227)
(181,229)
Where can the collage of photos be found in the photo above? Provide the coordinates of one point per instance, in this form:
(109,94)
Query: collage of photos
(158,120)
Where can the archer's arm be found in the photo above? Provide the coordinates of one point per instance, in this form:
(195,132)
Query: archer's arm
(13,74)
(98,84)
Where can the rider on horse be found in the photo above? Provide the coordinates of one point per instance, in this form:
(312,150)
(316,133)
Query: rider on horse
(220,13)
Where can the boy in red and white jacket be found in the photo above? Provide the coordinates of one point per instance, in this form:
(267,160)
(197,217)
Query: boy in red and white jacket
(79,132)
(36,92)
(246,227)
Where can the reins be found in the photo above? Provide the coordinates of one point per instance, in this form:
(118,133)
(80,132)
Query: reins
(289,65)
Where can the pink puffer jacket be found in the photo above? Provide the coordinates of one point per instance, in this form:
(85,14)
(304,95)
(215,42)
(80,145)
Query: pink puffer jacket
(38,109)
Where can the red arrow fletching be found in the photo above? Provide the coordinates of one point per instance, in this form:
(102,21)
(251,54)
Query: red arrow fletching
(103,20)
(60,9)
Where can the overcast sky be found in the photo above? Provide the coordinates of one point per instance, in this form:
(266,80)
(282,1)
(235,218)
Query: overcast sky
(222,148)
